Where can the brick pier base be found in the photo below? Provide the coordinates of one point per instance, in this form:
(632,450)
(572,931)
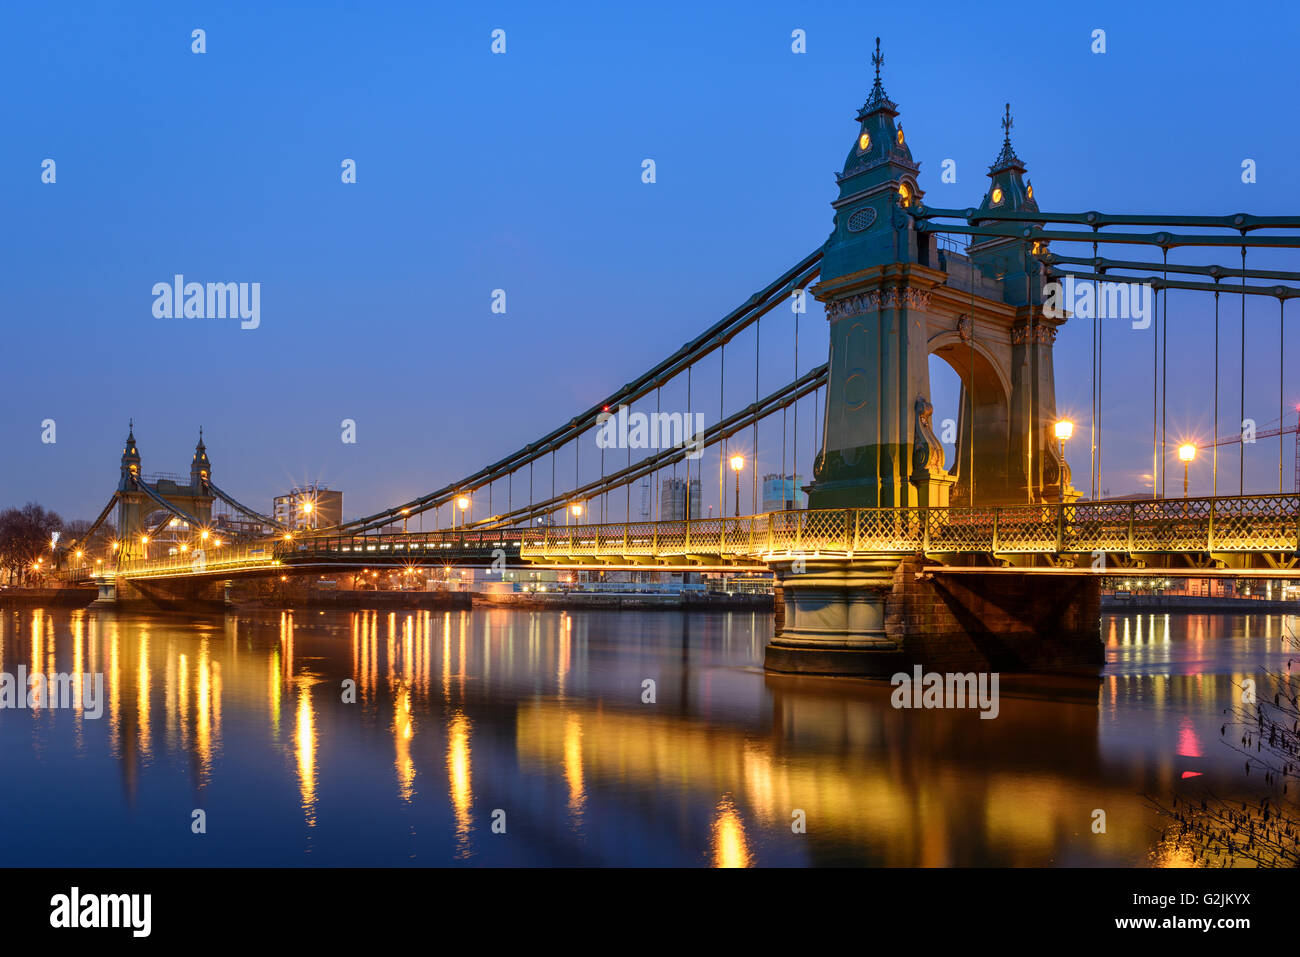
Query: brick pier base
(996,622)
(947,623)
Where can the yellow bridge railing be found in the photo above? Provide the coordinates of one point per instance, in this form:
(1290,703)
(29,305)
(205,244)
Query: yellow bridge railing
(1256,523)
(189,563)
(1267,525)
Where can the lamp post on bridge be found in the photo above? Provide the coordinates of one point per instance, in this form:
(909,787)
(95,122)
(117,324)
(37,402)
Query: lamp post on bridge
(1186,452)
(737,464)
(1064,429)
(463,504)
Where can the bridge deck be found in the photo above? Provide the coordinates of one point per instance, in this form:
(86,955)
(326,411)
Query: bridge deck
(1256,532)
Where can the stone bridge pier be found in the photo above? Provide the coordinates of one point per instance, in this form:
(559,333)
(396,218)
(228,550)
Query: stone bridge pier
(174,594)
(880,616)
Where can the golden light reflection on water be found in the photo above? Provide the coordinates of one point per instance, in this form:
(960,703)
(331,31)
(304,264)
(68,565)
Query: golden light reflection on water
(573,767)
(458,773)
(273,690)
(1169,853)
(114,689)
(78,667)
(730,846)
(920,789)
(142,689)
(403,732)
(304,745)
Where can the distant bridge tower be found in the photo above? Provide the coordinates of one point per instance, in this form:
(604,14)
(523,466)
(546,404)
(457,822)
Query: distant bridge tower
(136,498)
(893,298)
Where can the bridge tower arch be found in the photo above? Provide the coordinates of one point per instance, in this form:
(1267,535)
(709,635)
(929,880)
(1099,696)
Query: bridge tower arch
(137,498)
(983,440)
(893,295)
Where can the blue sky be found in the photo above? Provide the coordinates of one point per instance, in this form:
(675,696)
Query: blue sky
(522,172)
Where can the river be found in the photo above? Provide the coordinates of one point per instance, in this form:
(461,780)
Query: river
(513,737)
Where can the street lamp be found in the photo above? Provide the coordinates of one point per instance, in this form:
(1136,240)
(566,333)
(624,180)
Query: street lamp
(1186,452)
(1064,429)
(463,504)
(576,510)
(737,463)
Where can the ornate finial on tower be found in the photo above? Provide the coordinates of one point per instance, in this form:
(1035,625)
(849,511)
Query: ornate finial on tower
(1007,158)
(877,100)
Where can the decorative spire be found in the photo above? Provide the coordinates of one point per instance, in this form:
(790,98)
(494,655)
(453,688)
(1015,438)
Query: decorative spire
(200,467)
(878,100)
(1007,158)
(130,461)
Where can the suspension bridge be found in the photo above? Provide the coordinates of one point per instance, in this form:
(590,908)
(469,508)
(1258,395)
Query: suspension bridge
(901,555)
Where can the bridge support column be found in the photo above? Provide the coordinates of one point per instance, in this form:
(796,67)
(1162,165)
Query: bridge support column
(182,594)
(882,616)
(107,594)
(832,619)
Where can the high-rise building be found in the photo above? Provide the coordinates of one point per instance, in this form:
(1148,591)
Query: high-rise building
(314,506)
(672,499)
(646,498)
(782,492)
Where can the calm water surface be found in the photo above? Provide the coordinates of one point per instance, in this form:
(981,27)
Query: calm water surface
(540,715)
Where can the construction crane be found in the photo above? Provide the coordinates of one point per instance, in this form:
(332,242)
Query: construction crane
(1270,433)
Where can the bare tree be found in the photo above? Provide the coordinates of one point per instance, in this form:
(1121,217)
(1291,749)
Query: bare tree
(25,535)
(1264,727)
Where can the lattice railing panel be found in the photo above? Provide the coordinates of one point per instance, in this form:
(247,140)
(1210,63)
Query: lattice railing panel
(671,538)
(1026,528)
(888,530)
(829,530)
(1265,523)
(640,539)
(961,529)
(1096,526)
